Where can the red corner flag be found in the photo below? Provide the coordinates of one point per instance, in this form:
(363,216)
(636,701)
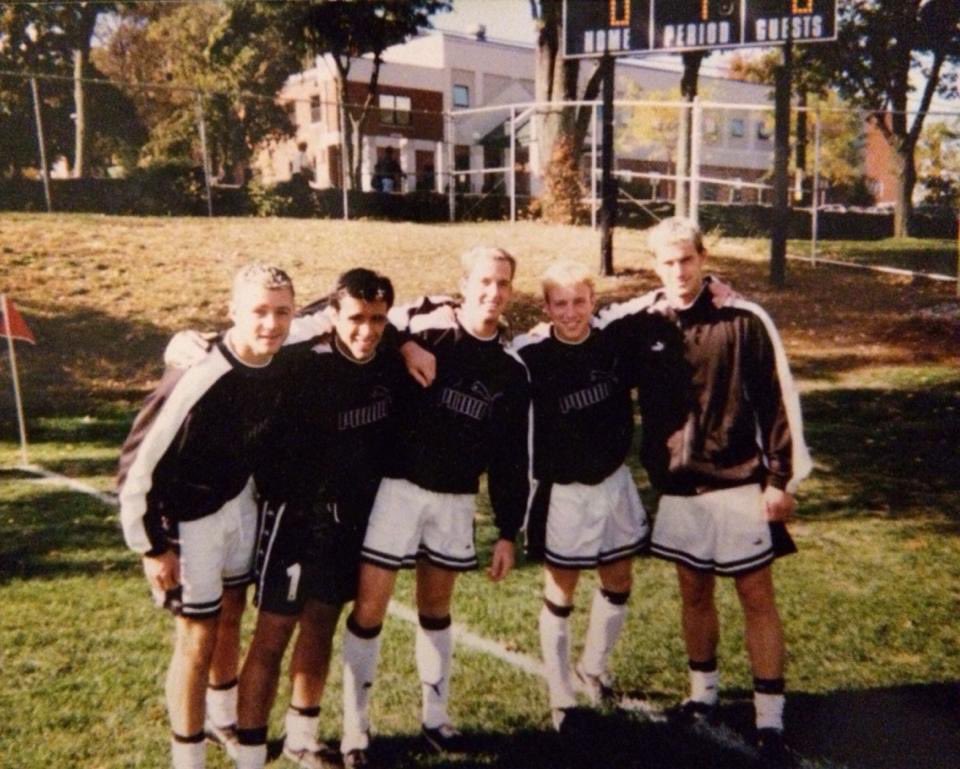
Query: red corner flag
(12,324)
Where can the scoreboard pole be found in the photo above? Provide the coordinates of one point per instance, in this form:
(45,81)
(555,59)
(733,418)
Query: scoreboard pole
(781,181)
(608,210)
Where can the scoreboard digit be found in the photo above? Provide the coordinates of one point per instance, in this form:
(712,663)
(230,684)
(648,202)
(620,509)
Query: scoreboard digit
(771,22)
(681,25)
(594,27)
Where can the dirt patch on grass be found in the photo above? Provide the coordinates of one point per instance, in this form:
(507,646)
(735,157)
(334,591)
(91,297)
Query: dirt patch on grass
(104,293)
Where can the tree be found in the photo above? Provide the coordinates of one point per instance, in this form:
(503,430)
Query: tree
(173,55)
(880,42)
(343,30)
(938,163)
(557,80)
(29,44)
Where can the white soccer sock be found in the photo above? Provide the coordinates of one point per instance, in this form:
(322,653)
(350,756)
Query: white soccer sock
(251,756)
(555,647)
(360,656)
(188,755)
(301,730)
(705,686)
(222,706)
(769,708)
(606,623)
(434,650)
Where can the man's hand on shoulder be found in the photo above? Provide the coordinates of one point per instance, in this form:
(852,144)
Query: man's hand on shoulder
(502,560)
(721,293)
(187,348)
(778,505)
(421,363)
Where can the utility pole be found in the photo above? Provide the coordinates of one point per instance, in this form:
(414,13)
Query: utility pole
(608,184)
(781,183)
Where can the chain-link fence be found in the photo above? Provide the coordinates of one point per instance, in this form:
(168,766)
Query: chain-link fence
(154,148)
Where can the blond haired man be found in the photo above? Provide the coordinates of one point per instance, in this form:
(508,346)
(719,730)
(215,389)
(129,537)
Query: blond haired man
(587,514)
(724,447)
(187,504)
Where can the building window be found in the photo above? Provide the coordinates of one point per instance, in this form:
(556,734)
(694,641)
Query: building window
(316,109)
(737,128)
(395,110)
(291,108)
(461,96)
(764,130)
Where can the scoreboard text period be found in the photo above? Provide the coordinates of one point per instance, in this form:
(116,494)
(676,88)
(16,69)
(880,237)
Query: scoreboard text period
(619,27)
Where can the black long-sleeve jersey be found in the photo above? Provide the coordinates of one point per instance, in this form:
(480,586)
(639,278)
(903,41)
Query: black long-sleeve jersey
(724,411)
(195,443)
(582,409)
(337,432)
(473,418)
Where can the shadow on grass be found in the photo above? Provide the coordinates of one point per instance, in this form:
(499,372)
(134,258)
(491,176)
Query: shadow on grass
(893,452)
(593,740)
(914,725)
(59,533)
(85,361)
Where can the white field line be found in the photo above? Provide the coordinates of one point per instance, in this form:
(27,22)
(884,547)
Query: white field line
(875,268)
(719,734)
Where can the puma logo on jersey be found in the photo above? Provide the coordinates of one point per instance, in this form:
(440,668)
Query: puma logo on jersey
(477,404)
(657,346)
(367,415)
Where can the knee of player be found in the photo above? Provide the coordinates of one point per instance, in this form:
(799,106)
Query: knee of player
(196,639)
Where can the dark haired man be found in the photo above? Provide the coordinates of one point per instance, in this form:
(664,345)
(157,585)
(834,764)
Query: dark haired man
(316,496)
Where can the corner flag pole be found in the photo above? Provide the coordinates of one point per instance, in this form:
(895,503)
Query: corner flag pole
(16,382)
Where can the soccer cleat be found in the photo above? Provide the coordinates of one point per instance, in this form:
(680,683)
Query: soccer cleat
(599,689)
(319,755)
(356,759)
(692,712)
(222,736)
(774,753)
(443,739)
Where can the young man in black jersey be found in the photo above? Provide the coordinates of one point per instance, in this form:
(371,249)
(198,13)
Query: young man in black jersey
(726,457)
(316,497)
(186,499)
(471,419)
(588,514)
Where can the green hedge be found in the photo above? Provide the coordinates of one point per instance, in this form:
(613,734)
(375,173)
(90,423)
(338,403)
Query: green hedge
(178,190)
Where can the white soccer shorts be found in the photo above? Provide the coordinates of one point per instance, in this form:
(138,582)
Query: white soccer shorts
(588,526)
(723,532)
(408,522)
(216,551)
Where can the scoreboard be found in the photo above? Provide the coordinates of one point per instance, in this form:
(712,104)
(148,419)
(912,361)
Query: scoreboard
(621,27)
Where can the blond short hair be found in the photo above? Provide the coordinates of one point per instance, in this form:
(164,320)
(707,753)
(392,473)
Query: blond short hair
(264,276)
(676,230)
(469,259)
(565,273)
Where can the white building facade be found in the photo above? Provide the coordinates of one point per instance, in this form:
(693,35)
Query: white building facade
(449,100)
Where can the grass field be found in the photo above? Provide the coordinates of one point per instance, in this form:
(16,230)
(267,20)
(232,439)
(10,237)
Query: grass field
(870,604)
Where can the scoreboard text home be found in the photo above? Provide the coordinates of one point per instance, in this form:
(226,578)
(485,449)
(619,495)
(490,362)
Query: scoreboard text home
(595,27)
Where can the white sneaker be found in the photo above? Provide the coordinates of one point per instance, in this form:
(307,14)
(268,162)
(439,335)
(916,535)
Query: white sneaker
(223,736)
(599,689)
(318,755)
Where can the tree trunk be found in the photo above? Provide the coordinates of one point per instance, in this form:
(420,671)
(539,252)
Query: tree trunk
(80,115)
(906,180)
